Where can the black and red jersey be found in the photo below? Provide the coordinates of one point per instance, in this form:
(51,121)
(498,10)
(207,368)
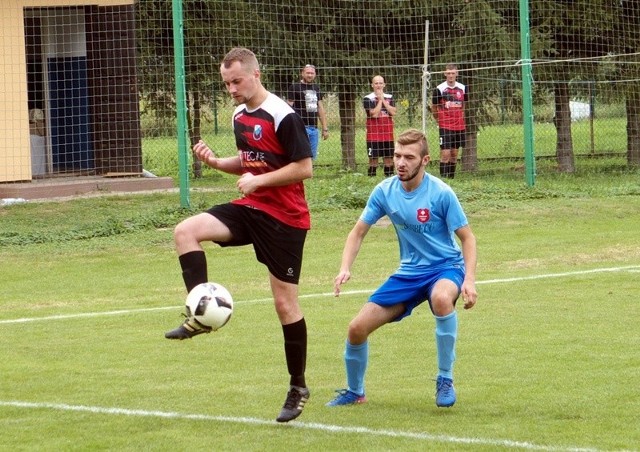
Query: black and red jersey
(380,128)
(450,102)
(268,138)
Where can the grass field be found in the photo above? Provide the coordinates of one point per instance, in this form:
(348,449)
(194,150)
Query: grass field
(549,359)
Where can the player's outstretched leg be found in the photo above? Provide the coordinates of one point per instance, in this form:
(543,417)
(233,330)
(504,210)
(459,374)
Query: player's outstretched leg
(194,272)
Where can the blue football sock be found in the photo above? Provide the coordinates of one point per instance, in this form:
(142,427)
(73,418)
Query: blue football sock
(356,358)
(446,333)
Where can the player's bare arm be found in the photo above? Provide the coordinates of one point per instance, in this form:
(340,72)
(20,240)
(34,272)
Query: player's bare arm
(375,111)
(288,174)
(323,120)
(469,253)
(390,108)
(229,165)
(434,111)
(349,254)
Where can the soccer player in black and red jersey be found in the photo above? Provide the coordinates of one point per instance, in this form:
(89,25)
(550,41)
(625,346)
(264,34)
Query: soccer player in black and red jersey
(447,106)
(380,108)
(274,158)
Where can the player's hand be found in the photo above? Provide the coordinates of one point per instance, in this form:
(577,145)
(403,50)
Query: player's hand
(247,184)
(205,154)
(469,294)
(342,278)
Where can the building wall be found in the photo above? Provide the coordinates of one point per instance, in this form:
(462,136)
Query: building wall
(15,148)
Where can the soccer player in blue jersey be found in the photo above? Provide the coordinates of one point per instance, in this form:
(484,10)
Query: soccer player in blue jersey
(427,217)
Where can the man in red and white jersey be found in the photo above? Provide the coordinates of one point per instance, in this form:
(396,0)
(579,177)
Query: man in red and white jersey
(447,106)
(380,108)
(272,161)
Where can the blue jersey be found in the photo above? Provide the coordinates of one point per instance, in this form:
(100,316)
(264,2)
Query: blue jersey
(424,219)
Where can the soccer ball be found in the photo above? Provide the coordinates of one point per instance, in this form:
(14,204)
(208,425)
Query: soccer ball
(210,304)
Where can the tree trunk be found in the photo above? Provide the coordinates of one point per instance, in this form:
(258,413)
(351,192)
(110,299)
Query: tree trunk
(195,132)
(633,125)
(470,151)
(562,120)
(346,104)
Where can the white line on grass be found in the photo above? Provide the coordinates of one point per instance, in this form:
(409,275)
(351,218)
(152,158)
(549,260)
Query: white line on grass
(82,315)
(301,425)
(629,268)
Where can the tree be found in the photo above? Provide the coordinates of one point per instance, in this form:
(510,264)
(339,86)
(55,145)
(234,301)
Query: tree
(578,33)
(206,36)
(349,45)
(628,31)
(479,37)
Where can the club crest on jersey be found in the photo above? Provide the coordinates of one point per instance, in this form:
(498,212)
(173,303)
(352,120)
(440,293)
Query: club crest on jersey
(423,215)
(257,132)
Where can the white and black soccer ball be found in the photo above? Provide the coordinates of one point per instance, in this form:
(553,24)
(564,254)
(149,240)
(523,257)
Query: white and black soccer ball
(210,304)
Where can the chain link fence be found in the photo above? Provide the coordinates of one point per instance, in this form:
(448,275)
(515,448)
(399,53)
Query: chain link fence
(93,85)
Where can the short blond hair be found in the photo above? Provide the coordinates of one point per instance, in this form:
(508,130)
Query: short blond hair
(412,136)
(244,56)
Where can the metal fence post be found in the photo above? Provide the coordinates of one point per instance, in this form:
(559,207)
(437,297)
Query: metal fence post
(181,104)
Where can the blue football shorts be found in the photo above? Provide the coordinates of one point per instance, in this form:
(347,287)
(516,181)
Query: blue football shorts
(413,290)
